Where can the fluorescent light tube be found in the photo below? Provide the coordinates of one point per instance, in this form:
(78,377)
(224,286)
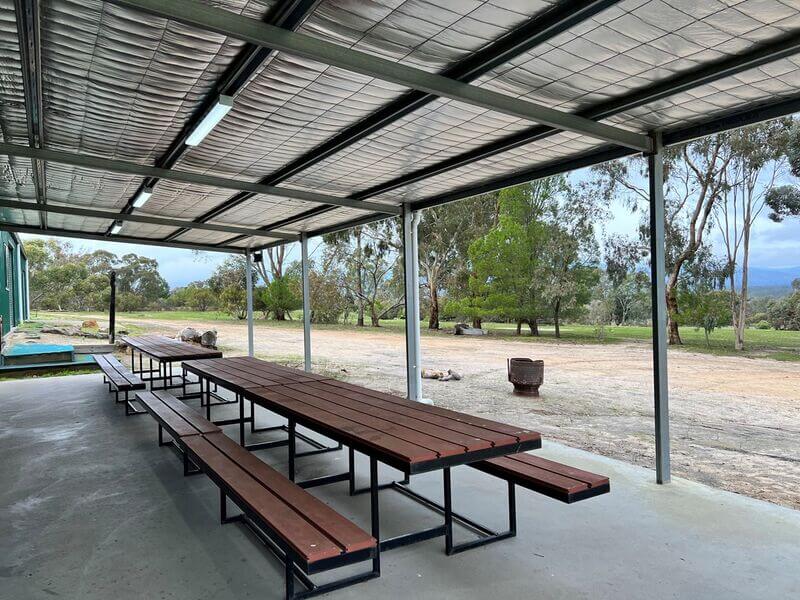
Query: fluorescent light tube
(143,197)
(210,120)
(116,228)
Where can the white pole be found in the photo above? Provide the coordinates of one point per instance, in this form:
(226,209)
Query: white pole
(411,278)
(250,333)
(306,301)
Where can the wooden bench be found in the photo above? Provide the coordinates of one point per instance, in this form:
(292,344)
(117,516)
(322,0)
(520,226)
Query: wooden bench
(303,532)
(179,420)
(547,477)
(119,379)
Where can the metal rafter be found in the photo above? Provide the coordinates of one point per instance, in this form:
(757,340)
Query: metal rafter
(130,168)
(136,218)
(82,235)
(289,15)
(27,13)
(677,135)
(680,83)
(764,54)
(524,38)
(193,13)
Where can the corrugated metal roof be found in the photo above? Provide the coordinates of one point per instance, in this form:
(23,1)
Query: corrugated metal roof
(119,83)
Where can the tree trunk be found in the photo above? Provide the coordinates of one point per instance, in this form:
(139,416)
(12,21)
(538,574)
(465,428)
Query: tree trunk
(556,315)
(376,322)
(477,322)
(519,327)
(672,307)
(533,325)
(740,320)
(359,283)
(280,315)
(433,320)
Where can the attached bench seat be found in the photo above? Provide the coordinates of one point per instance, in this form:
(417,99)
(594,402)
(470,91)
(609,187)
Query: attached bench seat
(119,379)
(180,421)
(547,477)
(303,531)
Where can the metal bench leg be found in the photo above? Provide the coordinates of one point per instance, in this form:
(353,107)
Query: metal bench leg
(375,510)
(448,513)
(291,449)
(289,579)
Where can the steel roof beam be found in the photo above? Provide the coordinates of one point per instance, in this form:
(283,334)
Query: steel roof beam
(284,14)
(136,218)
(193,13)
(27,13)
(534,32)
(130,168)
(727,67)
(82,235)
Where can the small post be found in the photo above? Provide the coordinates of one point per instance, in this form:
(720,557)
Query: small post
(112,309)
(306,302)
(411,279)
(249,279)
(659,309)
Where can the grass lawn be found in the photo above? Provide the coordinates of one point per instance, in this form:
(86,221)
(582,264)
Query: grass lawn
(770,343)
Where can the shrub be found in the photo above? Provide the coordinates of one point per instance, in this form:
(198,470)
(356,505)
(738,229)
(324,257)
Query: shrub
(763,324)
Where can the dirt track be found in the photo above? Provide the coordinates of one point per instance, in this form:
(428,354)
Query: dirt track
(735,421)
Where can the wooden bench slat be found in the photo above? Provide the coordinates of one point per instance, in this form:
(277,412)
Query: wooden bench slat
(118,374)
(189,414)
(346,534)
(166,416)
(309,542)
(547,477)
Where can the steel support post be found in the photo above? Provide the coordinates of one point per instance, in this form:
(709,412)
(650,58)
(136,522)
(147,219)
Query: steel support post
(659,310)
(411,271)
(250,334)
(306,301)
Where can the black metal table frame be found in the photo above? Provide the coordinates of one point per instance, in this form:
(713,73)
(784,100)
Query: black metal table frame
(485,534)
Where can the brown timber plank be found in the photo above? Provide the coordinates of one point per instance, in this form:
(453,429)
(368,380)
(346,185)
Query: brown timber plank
(308,541)
(346,534)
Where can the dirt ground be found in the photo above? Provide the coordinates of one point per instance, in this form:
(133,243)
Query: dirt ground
(735,422)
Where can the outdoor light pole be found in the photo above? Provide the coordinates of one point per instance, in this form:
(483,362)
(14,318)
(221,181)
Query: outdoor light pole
(659,310)
(249,278)
(411,279)
(306,302)
(112,309)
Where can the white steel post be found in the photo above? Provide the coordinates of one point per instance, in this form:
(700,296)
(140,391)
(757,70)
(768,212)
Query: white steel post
(306,301)
(659,311)
(250,332)
(411,274)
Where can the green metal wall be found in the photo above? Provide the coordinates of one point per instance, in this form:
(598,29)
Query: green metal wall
(12,279)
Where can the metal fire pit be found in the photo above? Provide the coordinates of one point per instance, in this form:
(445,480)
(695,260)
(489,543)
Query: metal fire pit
(526,374)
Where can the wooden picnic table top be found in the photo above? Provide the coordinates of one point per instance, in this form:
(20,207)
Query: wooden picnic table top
(167,349)
(408,435)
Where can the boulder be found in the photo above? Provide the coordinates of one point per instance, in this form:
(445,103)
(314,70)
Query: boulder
(209,338)
(89,324)
(189,334)
(464,329)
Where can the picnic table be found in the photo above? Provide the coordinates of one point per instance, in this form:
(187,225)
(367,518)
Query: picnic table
(409,436)
(164,351)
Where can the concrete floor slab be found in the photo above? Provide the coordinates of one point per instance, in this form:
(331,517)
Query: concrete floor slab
(92,508)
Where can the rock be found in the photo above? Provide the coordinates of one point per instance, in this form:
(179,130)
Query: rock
(189,334)
(455,375)
(209,338)
(89,324)
(432,374)
(464,329)
(65,330)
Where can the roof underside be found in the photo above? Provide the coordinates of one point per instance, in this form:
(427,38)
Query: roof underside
(104,80)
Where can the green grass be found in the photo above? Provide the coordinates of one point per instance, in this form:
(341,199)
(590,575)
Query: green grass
(769,343)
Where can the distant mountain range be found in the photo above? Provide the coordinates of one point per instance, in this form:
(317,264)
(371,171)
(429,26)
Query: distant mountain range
(769,281)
